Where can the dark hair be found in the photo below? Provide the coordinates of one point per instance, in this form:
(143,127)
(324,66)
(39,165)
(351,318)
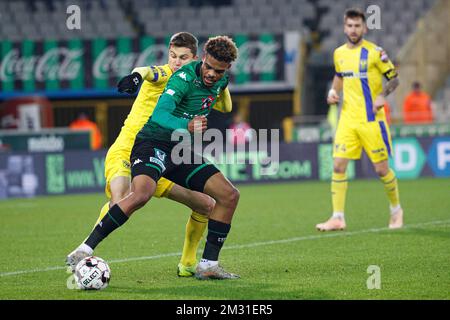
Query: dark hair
(353,13)
(185,39)
(222,48)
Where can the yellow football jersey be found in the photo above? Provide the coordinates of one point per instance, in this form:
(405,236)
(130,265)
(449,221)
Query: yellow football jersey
(144,105)
(362,70)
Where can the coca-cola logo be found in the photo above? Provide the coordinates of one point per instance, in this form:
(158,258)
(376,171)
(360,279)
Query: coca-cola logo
(55,64)
(256,57)
(110,63)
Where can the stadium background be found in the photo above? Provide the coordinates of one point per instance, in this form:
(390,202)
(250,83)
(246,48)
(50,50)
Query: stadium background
(50,74)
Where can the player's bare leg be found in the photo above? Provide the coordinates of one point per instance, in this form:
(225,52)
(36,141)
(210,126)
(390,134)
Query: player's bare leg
(338,194)
(197,201)
(201,205)
(119,188)
(387,176)
(227,198)
(142,189)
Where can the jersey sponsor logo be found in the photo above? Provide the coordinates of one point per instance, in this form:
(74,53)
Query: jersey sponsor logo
(160,154)
(182,75)
(137,161)
(351,74)
(158,162)
(381,150)
(170,92)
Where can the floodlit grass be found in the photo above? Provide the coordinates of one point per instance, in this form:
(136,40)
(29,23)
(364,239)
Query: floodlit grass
(273,245)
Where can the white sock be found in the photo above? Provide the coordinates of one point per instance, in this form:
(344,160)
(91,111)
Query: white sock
(85,248)
(205,263)
(338,215)
(395,209)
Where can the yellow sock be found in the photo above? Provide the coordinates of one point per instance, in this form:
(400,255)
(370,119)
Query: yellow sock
(195,227)
(338,191)
(103,212)
(391,188)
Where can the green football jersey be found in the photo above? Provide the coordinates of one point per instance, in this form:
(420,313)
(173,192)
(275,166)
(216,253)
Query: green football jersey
(192,98)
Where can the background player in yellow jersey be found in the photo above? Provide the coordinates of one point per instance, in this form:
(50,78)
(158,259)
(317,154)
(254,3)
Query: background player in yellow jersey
(360,66)
(182,50)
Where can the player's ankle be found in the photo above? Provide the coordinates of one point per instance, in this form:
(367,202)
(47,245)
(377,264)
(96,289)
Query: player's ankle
(394,209)
(85,248)
(205,263)
(338,215)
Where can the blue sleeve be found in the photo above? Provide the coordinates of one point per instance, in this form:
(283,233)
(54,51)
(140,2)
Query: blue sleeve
(163,114)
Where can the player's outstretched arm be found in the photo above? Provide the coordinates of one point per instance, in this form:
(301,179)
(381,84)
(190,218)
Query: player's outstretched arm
(130,83)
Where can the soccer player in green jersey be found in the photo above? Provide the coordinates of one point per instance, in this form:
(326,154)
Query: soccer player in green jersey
(188,98)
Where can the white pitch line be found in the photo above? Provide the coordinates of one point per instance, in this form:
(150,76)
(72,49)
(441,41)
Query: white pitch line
(249,245)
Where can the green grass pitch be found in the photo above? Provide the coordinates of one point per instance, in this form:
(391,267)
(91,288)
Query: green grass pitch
(273,245)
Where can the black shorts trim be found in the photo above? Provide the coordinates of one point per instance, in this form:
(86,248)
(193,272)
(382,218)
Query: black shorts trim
(196,180)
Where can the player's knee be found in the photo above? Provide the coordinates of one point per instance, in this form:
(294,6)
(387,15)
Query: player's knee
(141,198)
(230,198)
(339,168)
(381,172)
(206,207)
(209,205)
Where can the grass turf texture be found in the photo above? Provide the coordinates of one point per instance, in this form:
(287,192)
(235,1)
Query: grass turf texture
(273,245)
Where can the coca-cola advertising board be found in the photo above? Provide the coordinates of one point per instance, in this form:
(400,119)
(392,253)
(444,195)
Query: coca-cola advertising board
(93,67)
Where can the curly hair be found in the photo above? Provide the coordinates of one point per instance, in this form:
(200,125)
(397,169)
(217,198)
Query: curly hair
(222,48)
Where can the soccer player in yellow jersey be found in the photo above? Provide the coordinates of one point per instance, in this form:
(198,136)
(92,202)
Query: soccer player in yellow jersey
(182,50)
(360,66)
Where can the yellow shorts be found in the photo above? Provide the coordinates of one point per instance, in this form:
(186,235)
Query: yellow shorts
(374,137)
(117,164)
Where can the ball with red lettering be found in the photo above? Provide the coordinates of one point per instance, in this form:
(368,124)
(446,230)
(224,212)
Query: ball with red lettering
(92,273)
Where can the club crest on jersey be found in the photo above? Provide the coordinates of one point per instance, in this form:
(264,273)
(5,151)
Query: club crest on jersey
(126,164)
(363,65)
(206,103)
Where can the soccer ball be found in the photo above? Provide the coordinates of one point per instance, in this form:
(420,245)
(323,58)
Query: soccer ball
(92,273)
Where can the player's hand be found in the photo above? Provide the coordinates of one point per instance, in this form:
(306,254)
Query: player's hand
(130,83)
(378,103)
(333,97)
(198,124)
